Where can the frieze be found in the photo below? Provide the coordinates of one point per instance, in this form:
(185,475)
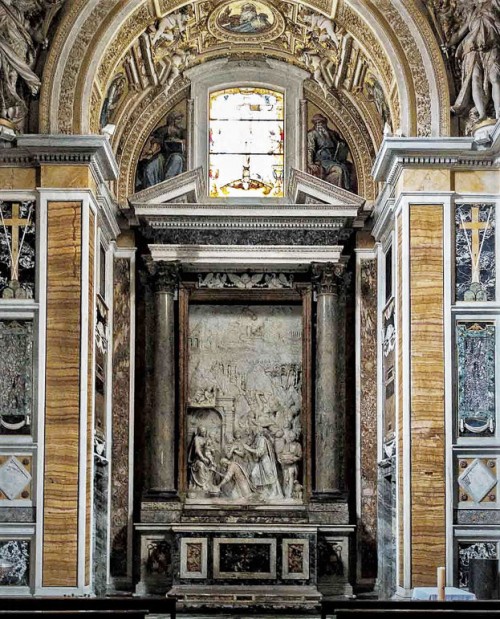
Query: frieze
(270,281)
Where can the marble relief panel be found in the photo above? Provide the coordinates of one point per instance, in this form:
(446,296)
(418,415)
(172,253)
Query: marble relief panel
(14,563)
(475,272)
(475,343)
(243,421)
(16,376)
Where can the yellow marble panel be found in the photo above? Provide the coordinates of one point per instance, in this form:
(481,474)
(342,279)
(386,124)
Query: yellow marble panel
(71,177)
(478,181)
(18,178)
(399,412)
(424,179)
(62,404)
(428,490)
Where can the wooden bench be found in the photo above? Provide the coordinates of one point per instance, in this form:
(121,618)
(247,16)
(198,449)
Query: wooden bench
(378,607)
(106,606)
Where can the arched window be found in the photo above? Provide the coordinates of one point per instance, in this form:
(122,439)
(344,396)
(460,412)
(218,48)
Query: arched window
(246,143)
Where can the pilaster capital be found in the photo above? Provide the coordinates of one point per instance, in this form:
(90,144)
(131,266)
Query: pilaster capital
(165,274)
(328,277)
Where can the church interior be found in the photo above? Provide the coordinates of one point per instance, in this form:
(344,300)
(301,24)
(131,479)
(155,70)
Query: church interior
(249,325)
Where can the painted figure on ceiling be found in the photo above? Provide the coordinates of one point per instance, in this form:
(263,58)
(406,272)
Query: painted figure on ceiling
(247,21)
(164,156)
(327,154)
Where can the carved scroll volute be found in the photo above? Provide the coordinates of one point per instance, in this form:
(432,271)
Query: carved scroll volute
(327,277)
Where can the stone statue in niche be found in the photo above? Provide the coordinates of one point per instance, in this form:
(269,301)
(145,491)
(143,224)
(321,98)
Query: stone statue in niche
(327,154)
(478,51)
(244,437)
(24,26)
(164,155)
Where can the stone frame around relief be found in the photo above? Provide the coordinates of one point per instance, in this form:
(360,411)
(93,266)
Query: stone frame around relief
(300,295)
(184,572)
(285,550)
(218,574)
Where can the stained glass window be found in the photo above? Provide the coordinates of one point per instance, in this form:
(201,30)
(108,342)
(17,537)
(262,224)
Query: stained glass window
(246,150)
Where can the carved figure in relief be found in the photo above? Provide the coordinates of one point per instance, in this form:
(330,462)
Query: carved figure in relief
(478,49)
(172,27)
(327,154)
(18,42)
(201,462)
(289,456)
(314,63)
(264,472)
(236,476)
(321,24)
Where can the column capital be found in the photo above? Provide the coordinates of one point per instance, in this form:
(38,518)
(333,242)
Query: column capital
(165,274)
(328,277)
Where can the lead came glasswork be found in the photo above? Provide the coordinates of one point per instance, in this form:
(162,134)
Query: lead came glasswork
(246,148)
(476,378)
(475,252)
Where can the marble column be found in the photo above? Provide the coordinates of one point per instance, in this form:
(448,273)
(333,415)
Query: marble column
(162,439)
(329,424)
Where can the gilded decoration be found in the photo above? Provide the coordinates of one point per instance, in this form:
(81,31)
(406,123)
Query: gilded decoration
(255,22)
(140,20)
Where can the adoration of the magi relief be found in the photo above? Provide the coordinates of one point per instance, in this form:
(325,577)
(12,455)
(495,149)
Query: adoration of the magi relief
(244,432)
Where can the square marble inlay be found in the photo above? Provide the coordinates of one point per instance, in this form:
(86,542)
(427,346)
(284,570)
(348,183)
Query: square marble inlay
(13,478)
(477,480)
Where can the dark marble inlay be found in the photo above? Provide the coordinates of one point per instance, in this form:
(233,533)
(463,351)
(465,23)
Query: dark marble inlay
(472,550)
(295,558)
(16,376)
(17,514)
(17,554)
(120,417)
(476,378)
(475,252)
(17,249)
(246,237)
(246,558)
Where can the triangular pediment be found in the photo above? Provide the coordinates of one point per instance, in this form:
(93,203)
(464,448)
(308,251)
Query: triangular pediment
(303,188)
(186,188)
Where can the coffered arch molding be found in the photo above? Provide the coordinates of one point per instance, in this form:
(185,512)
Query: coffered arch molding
(71,89)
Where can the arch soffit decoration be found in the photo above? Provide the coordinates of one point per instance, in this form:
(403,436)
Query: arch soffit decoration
(83,71)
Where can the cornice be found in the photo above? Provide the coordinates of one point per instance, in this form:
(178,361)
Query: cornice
(244,257)
(36,150)
(467,152)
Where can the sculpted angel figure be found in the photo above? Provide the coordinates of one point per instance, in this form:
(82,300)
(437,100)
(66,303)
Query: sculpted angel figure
(323,25)
(479,50)
(171,27)
(17,55)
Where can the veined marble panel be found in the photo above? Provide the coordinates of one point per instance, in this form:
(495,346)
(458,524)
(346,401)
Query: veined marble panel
(476,378)
(14,563)
(16,376)
(15,478)
(243,424)
(475,252)
(473,550)
(17,249)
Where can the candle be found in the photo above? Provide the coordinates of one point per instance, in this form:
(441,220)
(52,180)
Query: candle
(441,582)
